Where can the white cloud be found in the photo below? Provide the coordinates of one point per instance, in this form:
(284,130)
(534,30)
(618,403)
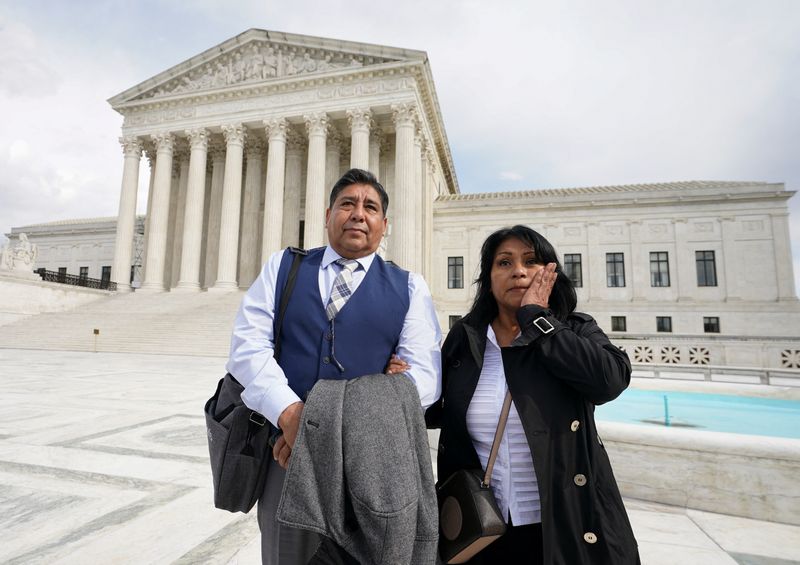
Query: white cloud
(510,175)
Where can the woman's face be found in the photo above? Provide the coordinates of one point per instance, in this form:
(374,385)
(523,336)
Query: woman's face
(513,268)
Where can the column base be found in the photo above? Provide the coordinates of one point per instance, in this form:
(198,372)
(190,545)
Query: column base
(224,286)
(152,288)
(187,287)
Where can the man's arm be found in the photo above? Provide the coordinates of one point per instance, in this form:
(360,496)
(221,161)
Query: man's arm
(420,340)
(252,361)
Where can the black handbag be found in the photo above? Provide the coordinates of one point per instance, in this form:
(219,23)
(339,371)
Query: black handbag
(469,518)
(240,439)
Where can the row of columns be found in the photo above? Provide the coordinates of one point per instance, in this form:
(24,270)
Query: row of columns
(282,196)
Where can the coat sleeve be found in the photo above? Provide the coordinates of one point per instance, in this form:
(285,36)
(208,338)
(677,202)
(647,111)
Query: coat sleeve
(575,351)
(433,415)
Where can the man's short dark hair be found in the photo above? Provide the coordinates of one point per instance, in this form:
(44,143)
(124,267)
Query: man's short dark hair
(360,176)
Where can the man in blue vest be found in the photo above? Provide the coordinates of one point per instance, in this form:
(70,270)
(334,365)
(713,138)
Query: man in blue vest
(349,314)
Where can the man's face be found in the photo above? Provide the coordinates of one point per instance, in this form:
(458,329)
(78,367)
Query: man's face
(356,222)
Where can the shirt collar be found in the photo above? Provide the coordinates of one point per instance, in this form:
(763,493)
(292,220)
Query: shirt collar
(330,256)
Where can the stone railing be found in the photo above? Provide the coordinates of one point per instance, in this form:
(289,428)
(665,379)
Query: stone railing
(719,373)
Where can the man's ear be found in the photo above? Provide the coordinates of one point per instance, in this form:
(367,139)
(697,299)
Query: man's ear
(385,224)
(327,216)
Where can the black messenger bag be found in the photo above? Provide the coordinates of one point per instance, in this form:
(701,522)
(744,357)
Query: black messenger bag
(238,437)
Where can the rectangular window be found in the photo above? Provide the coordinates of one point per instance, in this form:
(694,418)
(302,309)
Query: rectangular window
(706,268)
(133,272)
(62,274)
(106,273)
(711,324)
(455,272)
(572,268)
(615,269)
(659,268)
(451,320)
(84,273)
(663,323)
(618,324)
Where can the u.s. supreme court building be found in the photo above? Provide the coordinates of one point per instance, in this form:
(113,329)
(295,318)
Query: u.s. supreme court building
(245,140)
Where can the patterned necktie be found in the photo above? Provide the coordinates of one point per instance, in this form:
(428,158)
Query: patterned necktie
(342,287)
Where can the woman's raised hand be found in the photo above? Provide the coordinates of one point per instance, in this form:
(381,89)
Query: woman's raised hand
(541,286)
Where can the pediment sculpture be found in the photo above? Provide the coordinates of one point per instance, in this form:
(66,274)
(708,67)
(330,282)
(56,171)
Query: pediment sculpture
(259,61)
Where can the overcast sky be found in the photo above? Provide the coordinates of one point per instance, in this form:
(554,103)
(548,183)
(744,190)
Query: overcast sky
(534,94)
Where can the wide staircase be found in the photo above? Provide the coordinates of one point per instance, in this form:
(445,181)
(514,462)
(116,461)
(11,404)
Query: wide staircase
(167,323)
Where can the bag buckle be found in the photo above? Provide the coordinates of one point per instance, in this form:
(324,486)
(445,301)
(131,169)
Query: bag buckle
(257,418)
(543,325)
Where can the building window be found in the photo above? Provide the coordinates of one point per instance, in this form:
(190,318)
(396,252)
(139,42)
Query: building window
(615,269)
(619,324)
(62,274)
(706,268)
(455,272)
(84,273)
(302,236)
(711,324)
(572,268)
(133,272)
(105,276)
(451,321)
(659,268)
(663,323)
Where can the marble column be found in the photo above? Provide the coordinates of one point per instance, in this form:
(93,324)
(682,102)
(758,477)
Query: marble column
(126,219)
(594,274)
(375,140)
(639,264)
(292,189)
(217,151)
(359,119)
(333,155)
(273,191)
(159,211)
(317,126)
(193,210)
(231,207)
(248,248)
(427,213)
(402,249)
(150,153)
(172,216)
(783,257)
(177,248)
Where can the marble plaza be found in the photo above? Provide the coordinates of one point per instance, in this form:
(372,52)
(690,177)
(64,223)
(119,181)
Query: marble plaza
(103,460)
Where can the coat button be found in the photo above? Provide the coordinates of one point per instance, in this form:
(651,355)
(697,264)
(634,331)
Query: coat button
(580,479)
(328,336)
(326,360)
(590,537)
(575,425)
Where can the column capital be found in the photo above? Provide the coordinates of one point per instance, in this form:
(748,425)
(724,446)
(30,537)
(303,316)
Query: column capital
(234,134)
(294,140)
(150,153)
(359,118)
(420,141)
(335,137)
(132,146)
(254,148)
(376,135)
(316,124)
(405,114)
(165,141)
(276,129)
(430,156)
(198,138)
(217,150)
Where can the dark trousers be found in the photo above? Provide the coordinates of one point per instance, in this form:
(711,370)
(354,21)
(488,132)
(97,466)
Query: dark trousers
(520,545)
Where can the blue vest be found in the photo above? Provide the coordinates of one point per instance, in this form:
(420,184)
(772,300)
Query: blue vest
(366,332)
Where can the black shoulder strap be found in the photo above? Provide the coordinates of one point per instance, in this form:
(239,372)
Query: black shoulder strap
(287,293)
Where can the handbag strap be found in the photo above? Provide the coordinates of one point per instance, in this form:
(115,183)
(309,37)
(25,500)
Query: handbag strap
(285,295)
(498,435)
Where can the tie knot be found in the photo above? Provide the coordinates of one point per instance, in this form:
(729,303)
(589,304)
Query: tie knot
(349,264)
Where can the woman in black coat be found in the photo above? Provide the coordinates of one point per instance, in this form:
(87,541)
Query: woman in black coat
(552,479)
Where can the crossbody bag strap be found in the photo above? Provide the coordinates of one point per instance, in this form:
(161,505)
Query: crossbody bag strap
(287,293)
(498,435)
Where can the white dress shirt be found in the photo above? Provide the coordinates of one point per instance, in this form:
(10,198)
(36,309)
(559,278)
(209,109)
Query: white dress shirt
(266,389)
(513,477)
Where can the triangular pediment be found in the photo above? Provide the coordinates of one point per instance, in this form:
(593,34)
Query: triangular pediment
(258,56)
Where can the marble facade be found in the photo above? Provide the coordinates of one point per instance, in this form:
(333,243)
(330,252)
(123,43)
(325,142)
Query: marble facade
(245,140)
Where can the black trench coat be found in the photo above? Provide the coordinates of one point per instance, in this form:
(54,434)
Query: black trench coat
(556,377)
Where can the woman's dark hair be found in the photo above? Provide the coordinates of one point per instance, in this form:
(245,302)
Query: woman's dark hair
(359,176)
(562,299)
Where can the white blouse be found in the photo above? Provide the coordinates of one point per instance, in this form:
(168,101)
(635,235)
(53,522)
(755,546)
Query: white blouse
(513,477)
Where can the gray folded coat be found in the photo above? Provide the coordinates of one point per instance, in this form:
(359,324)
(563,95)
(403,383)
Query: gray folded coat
(360,471)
